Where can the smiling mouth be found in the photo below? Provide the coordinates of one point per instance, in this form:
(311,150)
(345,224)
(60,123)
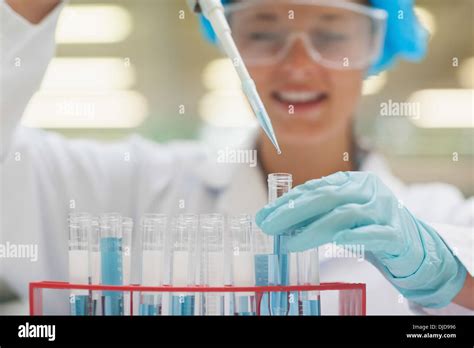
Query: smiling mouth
(300,100)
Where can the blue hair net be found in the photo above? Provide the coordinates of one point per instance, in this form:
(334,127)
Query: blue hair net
(405,37)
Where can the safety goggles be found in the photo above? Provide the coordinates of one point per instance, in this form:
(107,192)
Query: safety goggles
(336,34)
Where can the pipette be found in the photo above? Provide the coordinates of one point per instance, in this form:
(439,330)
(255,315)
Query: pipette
(214,13)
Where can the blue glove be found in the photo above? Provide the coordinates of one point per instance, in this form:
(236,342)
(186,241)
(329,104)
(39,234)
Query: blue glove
(356,208)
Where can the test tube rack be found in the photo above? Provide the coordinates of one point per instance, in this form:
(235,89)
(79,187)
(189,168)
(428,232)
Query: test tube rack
(351,296)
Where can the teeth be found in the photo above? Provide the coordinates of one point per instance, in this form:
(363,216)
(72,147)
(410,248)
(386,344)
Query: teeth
(298,97)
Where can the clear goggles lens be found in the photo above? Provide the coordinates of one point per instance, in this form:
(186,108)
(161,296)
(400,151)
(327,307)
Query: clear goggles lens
(341,35)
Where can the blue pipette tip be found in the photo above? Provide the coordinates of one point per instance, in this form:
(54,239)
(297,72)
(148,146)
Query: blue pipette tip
(275,144)
(259,109)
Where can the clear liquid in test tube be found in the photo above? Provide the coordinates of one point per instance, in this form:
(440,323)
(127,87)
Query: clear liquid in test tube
(243,262)
(183,263)
(307,272)
(154,228)
(79,232)
(215,268)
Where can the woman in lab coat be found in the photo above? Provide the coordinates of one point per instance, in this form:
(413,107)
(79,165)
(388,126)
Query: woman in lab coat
(45,176)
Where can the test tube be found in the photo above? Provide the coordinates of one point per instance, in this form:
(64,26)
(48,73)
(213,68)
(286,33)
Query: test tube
(214,265)
(183,262)
(266,269)
(308,274)
(243,262)
(79,232)
(111,233)
(127,230)
(278,185)
(153,229)
(94,265)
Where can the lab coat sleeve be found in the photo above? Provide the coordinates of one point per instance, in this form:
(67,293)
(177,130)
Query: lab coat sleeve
(25,53)
(445,209)
(45,176)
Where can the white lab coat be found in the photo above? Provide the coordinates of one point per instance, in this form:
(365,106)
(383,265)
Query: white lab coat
(44,175)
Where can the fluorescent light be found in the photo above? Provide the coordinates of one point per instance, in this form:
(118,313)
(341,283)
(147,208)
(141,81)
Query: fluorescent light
(225,104)
(112,109)
(466,73)
(88,74)
(226,109)
(374,84)
(93,24)
(220,74)
(444,108)
(427,19)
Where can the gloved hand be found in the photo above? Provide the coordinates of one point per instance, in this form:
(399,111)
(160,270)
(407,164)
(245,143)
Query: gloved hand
(357,208)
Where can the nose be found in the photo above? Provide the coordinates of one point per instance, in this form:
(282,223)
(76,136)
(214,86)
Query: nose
(298,60)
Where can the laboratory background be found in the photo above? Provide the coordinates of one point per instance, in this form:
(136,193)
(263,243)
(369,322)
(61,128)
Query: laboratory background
(143,66)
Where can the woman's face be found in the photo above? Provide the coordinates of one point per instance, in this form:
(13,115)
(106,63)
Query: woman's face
(306,101)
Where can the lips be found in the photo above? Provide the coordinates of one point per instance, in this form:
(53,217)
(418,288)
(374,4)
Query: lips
(301,101)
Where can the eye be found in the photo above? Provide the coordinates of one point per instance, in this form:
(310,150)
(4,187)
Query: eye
(263,36)
(329,37)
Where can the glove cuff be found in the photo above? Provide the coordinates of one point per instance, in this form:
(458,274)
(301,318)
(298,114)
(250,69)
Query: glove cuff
(442,296)
(440,276)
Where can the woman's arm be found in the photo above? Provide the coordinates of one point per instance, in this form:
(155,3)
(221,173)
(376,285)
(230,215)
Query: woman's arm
(356,208)
(33,10)
(465,297)
(26,52)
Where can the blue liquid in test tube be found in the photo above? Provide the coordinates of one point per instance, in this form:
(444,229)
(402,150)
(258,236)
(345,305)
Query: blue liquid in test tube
(111,262)
(79,305)
(182,305)
(150,305)
(311,307)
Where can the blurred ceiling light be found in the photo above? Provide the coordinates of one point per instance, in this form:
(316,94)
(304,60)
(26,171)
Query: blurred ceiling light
(226,109)
(466,73)
(374,84)
(93,24)
(427,19)
(444,108)
(225,104)
(88,74)
(112,109)
(220,74)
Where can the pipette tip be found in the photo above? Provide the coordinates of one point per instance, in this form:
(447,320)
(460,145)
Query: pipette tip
(276,145)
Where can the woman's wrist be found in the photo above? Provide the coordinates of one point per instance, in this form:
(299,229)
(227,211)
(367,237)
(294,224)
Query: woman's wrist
(465,297)
(33,10)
